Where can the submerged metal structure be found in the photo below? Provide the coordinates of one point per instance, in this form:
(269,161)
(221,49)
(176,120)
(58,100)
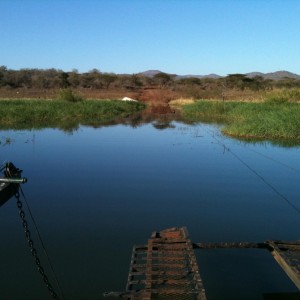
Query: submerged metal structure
(166,267)
(287,254)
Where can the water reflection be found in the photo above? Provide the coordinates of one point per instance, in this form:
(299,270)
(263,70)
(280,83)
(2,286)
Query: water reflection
(161,117)
(96,192)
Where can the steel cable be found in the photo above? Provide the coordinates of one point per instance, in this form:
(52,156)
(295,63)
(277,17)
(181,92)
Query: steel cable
(293,206)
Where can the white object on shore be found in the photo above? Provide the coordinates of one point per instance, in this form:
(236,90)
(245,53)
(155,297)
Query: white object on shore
(128,99)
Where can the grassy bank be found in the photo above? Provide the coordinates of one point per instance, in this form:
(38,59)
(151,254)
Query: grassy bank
(272,119)
(27,114)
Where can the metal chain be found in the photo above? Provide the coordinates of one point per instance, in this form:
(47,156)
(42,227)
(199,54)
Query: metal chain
(32,248)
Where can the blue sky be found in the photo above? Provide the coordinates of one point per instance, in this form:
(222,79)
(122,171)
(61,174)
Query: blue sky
(130,36)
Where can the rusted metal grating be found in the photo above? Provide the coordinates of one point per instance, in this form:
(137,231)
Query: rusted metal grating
(165,268)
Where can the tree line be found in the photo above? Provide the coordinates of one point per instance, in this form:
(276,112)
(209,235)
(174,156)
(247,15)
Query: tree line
(95,79)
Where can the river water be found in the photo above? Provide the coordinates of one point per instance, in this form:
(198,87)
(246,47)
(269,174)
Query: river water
(96,192)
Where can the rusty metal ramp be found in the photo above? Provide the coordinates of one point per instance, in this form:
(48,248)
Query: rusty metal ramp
(165,268)
(287,254)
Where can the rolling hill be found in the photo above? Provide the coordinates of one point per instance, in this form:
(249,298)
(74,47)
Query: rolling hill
(273,75)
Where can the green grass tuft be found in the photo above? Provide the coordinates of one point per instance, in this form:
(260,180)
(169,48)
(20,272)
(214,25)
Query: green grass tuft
(68,95)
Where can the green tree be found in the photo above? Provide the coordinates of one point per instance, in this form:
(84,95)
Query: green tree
(235,81)
(163,79)
(74,78)
(190,81)
(3,70)
(63,77)
(136,81)
(287,82)
(107,79)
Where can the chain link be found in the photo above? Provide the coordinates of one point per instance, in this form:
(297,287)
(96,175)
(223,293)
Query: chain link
(32,248)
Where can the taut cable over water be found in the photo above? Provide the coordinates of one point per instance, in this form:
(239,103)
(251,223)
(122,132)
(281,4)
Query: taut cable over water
(275,161)
(292,205)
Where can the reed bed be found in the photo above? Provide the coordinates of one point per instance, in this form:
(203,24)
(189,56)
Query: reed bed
(271,119)
(20,114)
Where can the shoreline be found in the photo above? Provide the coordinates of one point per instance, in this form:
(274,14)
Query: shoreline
(274,121)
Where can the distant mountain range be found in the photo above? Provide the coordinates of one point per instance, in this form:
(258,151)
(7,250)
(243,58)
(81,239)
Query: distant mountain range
(274,75)
(151,73)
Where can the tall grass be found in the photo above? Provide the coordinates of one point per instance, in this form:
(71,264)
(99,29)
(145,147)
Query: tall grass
(283,95)
(267,120)
(26,114)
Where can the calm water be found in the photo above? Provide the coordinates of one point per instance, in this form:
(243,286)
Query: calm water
(96,192)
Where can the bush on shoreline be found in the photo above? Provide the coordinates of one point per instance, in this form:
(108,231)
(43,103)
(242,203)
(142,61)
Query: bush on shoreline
(68,95)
